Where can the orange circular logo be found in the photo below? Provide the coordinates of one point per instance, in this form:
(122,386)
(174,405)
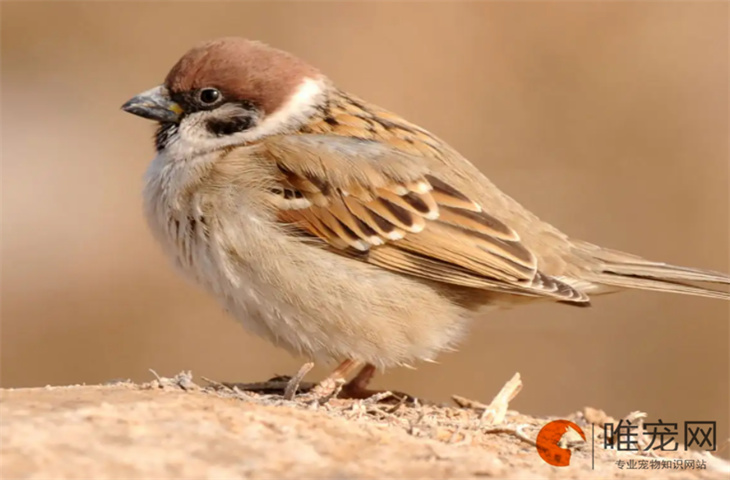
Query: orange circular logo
(549,438)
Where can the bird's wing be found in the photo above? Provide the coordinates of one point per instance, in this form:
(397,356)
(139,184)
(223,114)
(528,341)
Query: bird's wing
(385,207)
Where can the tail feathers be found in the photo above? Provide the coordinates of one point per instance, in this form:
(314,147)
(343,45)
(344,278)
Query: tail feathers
(663,271)
(617,269)
(651,282)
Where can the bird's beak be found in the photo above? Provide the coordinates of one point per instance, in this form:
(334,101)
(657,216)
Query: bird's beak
(154,104)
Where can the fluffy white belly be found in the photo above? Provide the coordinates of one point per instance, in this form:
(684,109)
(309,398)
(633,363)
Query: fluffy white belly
(308,300)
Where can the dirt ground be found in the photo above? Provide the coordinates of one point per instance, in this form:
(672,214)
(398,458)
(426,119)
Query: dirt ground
(174,428)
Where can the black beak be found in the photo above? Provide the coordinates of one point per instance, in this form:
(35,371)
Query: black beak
(154,104)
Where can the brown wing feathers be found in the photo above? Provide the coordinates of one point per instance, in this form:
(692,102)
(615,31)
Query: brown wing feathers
(402,218)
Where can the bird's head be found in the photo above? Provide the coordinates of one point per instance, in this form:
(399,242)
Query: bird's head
(230,91)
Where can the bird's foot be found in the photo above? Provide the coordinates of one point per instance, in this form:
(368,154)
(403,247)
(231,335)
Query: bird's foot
(333,386)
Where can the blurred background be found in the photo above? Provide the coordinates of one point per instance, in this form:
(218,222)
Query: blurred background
(607,119)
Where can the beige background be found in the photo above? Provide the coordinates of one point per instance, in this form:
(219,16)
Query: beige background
(608,119)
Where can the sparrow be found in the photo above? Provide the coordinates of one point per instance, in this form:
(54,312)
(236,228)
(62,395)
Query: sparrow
(339,230)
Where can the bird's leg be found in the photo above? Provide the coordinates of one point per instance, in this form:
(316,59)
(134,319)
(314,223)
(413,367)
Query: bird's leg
(336,378)
(334,383)
(357,387)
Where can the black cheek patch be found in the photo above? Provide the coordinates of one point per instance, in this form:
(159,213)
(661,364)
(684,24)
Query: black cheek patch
(229,126)
(165,132)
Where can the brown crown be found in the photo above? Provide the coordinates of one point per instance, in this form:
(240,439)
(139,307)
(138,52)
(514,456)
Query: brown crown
(242,69)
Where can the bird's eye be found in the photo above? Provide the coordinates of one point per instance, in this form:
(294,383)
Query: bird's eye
(209,96)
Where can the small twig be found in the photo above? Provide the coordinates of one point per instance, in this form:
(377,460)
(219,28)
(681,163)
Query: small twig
(379,411)
(378,397)
(215,384)
(400,403)
(293,384)
(240,394)
(496,411)
(517,432)
(464,402)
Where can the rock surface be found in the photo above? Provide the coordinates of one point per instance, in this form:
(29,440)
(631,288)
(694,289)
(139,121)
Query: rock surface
(172,428)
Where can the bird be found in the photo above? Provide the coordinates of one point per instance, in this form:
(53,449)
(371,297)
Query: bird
(341,231)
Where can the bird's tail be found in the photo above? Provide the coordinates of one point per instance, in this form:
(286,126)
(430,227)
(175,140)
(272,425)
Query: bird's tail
(622,270)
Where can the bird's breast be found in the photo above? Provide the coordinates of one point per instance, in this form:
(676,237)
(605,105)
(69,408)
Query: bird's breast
(176,216)
(224,250)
